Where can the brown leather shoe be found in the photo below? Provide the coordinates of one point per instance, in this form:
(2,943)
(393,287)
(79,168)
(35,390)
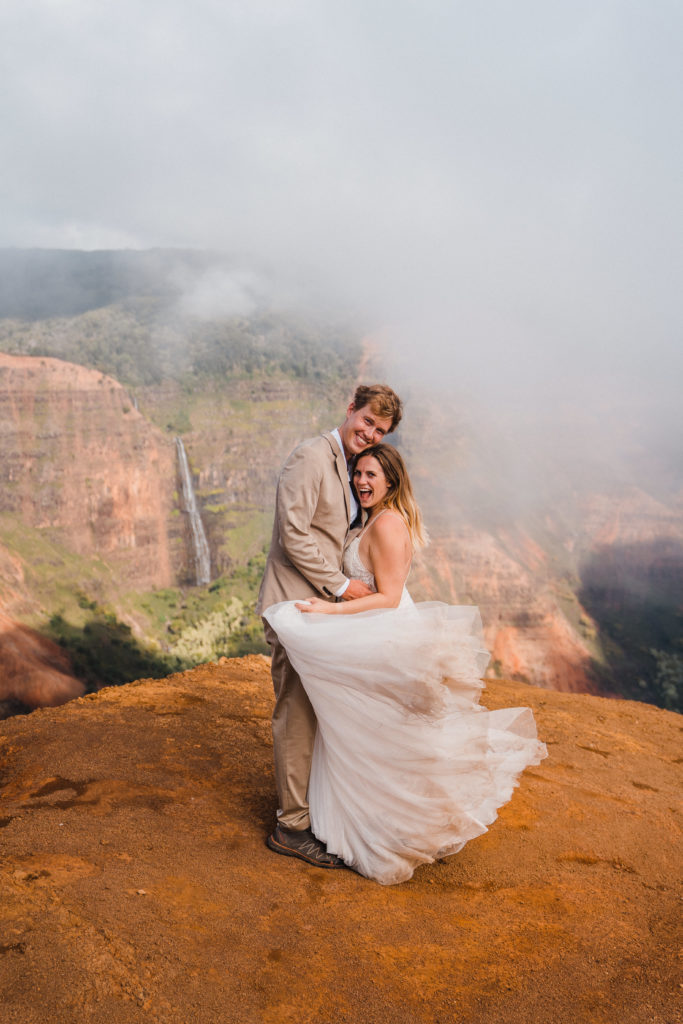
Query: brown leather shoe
(302,845)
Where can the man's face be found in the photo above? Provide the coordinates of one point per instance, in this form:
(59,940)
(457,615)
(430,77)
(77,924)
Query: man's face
(361,428)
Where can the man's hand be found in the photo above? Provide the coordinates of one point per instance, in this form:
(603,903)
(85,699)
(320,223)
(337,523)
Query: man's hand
(356,588)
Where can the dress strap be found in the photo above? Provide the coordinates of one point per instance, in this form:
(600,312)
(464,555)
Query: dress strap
(374,519)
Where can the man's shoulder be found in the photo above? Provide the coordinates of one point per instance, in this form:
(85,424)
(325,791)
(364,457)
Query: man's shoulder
(319,447)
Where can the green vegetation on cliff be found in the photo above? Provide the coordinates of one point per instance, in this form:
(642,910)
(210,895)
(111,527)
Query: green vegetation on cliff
(143,342)
(176,629)
(240,389)
(113,636)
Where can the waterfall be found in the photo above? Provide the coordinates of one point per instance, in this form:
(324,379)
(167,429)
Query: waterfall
(199,541)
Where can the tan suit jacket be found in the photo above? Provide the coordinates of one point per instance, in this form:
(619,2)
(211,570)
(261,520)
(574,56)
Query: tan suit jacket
(311,524)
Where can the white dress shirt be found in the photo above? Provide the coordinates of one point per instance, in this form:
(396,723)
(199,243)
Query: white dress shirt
(353,504)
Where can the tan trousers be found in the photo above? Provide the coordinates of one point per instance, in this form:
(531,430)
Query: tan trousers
(294,727)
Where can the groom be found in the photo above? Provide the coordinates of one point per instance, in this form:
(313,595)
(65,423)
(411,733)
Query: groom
(314,510)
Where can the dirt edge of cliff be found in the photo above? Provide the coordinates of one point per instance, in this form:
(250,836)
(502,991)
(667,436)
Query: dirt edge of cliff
(135,882)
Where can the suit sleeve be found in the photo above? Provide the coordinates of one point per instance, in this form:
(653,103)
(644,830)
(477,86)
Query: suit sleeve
(297,501)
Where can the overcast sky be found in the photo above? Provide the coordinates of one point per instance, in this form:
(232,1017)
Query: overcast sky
(493,182)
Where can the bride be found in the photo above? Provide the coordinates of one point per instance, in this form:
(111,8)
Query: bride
(407,767)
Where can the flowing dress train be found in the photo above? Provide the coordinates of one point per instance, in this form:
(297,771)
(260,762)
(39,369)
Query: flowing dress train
(407,766)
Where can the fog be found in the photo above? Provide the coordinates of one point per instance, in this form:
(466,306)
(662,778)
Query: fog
(492,190)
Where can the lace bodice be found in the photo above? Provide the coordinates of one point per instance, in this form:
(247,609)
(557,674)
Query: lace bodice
(354,568)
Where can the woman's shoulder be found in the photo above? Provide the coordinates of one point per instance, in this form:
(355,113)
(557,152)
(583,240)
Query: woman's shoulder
(390,525)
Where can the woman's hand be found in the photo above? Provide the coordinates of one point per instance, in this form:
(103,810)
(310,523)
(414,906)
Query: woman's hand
(316,604)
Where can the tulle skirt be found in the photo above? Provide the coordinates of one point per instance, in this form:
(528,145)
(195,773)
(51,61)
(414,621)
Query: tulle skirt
(407,767)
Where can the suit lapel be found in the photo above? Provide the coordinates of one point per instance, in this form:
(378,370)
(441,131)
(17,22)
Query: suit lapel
(343,473)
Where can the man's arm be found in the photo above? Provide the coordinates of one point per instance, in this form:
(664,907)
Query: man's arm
(356,589)
(297,503)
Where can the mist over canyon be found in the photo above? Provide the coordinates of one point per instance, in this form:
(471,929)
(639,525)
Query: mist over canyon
(573,549)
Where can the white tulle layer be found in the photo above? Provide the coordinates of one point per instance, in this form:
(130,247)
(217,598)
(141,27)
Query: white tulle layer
(407,766)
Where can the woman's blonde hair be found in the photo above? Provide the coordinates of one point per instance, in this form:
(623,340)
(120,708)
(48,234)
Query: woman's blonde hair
(400,496)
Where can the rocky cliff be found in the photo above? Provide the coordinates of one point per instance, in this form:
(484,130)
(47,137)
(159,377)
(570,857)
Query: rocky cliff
(34,671)
(89,504)
(81,464)
(237,433)
(528,633)
(84,469)
(135,883)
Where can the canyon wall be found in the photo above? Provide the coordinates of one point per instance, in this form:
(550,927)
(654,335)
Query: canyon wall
(35,671)
(89,493)
(529,635)
(81,464)
(237,433)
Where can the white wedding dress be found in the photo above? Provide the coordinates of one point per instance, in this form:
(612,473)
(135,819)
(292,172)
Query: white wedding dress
(407,767)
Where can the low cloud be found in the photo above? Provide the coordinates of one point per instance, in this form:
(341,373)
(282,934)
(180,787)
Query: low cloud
(493,188)
(219,293)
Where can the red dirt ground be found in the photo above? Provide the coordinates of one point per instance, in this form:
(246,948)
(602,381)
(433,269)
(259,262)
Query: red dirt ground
(135,884)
